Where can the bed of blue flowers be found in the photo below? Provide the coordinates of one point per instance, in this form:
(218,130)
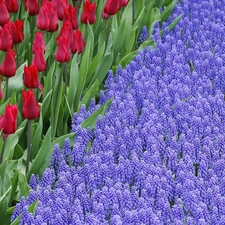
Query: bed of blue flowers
(158,154)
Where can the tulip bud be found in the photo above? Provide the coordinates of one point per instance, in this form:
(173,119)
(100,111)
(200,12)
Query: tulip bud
(38,42)
(42,21)
(6,40)
(16,30)
(124,3)
(53,17)
(61,6)
(70,14)
(31,109)
(88,14)
(32,7)
(30,78)
(63,52)
(8,121)
(4,18)
(111,7)
(8,67)
(12,5)
(39,60)
(78,42)
(67,31)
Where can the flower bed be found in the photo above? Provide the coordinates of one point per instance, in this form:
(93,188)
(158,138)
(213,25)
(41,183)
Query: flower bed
(157,157)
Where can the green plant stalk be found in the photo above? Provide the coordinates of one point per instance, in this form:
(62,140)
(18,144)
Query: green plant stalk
(3,150)
(6,88)
(108,31)
(65,74)
(132,11)
(29,141)
(55,114)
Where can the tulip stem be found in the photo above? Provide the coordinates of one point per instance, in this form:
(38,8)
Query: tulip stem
(107,31)
(3,150)
(29,140)
(6,89)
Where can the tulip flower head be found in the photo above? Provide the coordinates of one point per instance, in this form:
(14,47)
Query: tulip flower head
(31,109)
(30,78)
(89,13)
(6,40)
(32,7)
(63,52)
(111,7)
(78,42)
(8,121)
(70,14)
(16,30)
(8,66)
(38,42)
(12,5)
(39,60)
(4,18)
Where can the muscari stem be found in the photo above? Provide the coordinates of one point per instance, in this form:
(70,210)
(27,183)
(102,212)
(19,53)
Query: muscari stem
(29,140)
(3,150)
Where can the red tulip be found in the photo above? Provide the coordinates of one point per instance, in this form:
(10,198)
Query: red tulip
(60,5)
(30,78)
(105,16)
(39,60)
(43,21)
(38,42)
(8,121)
(63,52)
(111,7)
(8,67)
(12,5)
(88,14)
(4,18)
(32,7)
(16,30)
(78,42)
(31,109)
(124,3)
(70,14)
(53,17)
(67,31)
(6,40)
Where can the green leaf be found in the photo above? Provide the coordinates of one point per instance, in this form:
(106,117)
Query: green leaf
(5,195)
(14,181)
(89,94)
(16,82)
(92,119)
(82,75)
(94,64)
(74,72)
(60,141)
(175,22)
(40,158)
(23,186)
(168,11)
(159,3)
(90,38)
(46,105)
(48,79)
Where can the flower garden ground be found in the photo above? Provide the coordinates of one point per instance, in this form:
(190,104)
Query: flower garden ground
(158,155)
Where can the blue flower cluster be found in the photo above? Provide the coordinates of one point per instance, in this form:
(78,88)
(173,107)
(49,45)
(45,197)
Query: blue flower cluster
(158,155)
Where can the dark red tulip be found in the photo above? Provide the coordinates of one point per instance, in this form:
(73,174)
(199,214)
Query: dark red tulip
(32,7)
(124,3)
(88,14)
(6,40)
(30,78)
(31,109)
(70,14)
(60,5)
(39,60)
(78,42)
(67,31)
(4,18)
(53,17)
(8,67)
(8,121)
(38,42)
(105,16)
(63,52)
(16,30)
(43,21)
(12,5)
(111,7)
